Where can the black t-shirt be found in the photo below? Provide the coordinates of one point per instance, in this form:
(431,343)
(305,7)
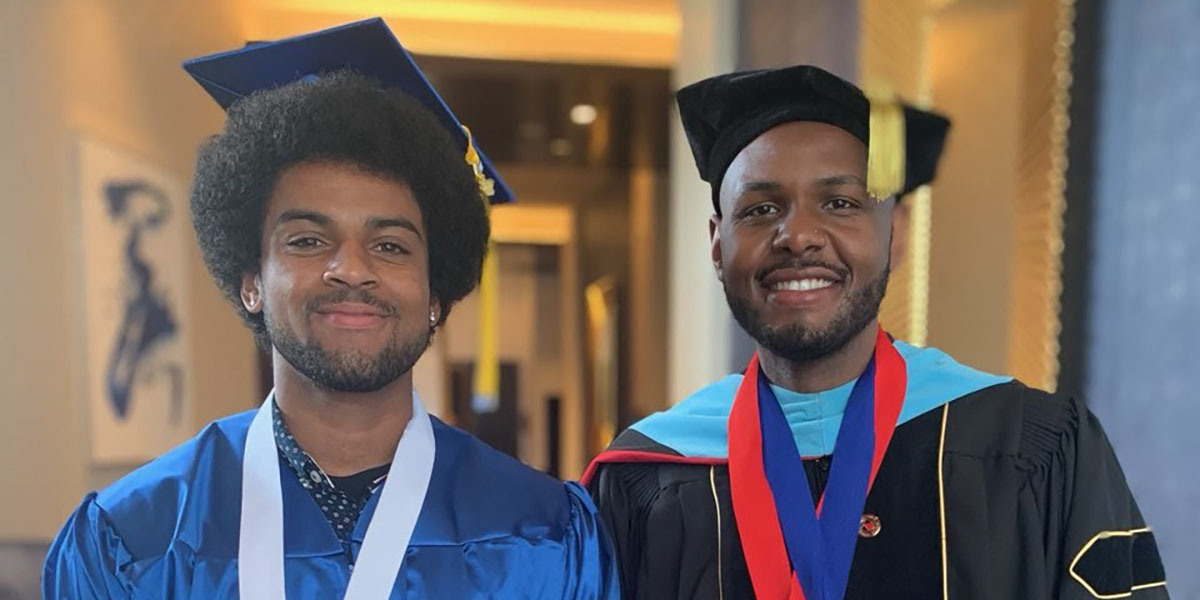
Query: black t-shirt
(359,485)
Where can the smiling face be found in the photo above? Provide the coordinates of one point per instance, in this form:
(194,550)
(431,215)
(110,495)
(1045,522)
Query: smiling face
(344,279)
(801,248)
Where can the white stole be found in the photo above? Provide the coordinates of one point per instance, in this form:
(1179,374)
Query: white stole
(260,542)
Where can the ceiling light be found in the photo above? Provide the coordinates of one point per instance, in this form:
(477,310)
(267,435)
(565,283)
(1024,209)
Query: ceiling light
(583,114)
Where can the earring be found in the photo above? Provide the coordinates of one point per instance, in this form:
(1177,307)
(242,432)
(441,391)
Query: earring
(432,318)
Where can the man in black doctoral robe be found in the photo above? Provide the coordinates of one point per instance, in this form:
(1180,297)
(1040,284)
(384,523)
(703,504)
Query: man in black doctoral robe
(843,463)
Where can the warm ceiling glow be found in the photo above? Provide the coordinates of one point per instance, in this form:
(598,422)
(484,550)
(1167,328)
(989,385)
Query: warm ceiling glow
(618,32)
(583,114)
(572,15)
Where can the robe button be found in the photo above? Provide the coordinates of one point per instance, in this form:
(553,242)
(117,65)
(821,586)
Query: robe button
(316,477)
(869,526)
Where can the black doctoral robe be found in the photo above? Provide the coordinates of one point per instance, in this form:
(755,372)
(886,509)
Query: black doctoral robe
(1022,485)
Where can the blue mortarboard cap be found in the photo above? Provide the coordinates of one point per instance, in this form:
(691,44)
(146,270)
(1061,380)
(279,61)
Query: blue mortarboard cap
(367,47)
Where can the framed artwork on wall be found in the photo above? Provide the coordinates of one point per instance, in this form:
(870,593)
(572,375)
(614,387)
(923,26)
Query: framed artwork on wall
(132,252)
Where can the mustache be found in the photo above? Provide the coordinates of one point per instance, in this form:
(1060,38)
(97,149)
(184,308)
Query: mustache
(349,295)
(801,263)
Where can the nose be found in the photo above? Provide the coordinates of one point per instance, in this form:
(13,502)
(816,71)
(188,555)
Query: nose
(800,233)
(350,267)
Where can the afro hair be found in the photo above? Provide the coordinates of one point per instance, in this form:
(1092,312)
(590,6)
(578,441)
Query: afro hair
(347,118)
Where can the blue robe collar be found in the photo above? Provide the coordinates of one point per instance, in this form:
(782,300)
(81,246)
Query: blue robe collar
(814,418)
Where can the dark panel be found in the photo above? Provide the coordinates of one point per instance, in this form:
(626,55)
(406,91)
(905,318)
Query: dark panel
(1077,219)
(779,33)
(266,375)
(553,436)
(499,428)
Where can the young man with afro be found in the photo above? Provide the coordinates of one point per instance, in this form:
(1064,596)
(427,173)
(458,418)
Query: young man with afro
(342,211)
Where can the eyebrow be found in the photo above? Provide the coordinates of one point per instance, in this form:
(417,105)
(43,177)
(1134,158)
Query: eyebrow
(303,215)
(836,180)
(760,186)
(764,185)
(387,222)
(324,221)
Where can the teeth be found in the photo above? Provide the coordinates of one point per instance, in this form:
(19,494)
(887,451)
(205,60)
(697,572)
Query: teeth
(801,285)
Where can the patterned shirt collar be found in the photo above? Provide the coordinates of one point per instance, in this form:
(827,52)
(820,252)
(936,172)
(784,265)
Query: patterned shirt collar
(301,463)
(341,509)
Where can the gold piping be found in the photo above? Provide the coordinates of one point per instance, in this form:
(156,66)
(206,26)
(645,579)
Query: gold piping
(1103,535)
(712,482)
(1146,586)
(942,501)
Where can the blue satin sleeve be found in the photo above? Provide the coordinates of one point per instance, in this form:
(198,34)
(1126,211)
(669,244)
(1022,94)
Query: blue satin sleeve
(83,560)
(591,565)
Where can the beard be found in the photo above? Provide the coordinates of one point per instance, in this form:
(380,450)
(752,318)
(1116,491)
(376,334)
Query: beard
(798,342)
(347,370)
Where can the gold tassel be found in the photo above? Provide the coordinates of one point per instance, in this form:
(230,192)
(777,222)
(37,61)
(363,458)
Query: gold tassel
(487,186)
(886,153)
(486,385)
(487,364)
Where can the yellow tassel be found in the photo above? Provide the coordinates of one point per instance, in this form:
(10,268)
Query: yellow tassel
(486,385)
(886,154)
(487,364)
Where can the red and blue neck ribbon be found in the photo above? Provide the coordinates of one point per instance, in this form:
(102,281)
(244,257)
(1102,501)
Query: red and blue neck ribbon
(795,550)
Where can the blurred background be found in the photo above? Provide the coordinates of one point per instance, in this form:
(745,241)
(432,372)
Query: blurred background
(1056,245)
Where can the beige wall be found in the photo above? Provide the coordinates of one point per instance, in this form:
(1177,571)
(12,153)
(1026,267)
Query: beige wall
(975,62)
(110,70)
(699,325)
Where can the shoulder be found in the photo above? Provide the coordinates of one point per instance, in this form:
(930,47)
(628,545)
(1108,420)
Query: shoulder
(1014,419)
(147,506)
(470,473)
(222,439)
(695,427)
(934,378)
(642,485)
(711,401)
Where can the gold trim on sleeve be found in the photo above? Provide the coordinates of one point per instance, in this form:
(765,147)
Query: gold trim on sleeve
(1103,535)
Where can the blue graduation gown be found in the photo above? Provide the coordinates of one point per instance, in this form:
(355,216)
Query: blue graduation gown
(490,527)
